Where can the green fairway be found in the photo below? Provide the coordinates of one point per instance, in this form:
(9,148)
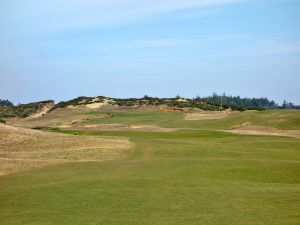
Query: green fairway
(280,119)
(186,177)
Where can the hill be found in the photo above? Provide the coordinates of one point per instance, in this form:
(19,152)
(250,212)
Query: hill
(26,110)
(93,102)
(146,103)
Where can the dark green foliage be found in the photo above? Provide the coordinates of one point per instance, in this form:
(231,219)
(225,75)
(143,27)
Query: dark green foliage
(171,102)
(2,121)
(5,103)
(289,105)
(147,100)
(238,103)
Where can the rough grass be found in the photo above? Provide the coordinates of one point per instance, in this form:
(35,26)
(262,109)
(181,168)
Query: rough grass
(280,119)
(181,177)
(23,148)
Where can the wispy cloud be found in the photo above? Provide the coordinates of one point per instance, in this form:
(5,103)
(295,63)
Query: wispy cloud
(261,47)
(167,42)
(35,15)
(192,41)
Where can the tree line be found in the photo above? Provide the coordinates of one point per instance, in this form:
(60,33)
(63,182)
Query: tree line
(263,103)
(5,103)
(213,101)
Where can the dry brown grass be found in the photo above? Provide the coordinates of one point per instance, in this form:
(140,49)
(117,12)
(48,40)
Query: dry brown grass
(263,130)
(23,148)
(72,119)
(56,118)
(207,115)
(47,107)
(114,127)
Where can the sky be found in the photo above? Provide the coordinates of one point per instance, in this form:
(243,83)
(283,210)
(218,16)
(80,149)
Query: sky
(61,49)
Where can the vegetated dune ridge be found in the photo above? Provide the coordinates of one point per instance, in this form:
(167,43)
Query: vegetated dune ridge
(23,148)
(54,118)
(45,108)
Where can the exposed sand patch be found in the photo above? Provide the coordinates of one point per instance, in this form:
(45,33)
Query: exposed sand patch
(182,100)
(23,148)
(97,103)
(116,127)
(43,111)
(262,130)
(207,115)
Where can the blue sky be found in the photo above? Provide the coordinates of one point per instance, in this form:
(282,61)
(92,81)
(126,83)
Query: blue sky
(128,48)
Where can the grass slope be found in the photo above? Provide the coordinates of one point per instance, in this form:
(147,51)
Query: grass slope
(184,177)
(280,119)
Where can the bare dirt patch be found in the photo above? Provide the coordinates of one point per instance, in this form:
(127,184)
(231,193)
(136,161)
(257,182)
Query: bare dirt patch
(207,115)
(96,105)
(46,108)
(263,130)
(23,148)
(182,100)
(116,127)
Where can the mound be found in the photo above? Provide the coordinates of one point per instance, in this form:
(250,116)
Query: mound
(44,109)
(23,148)
(25,110)
(57,117)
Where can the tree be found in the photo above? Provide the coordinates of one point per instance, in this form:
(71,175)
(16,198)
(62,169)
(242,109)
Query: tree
(5,103)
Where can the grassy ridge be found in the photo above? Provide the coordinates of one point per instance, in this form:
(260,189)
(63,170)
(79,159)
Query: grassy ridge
(186,177)
(280,119)
(24,110)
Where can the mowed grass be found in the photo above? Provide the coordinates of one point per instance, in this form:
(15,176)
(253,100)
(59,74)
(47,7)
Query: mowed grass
(280,119)
(184,177)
